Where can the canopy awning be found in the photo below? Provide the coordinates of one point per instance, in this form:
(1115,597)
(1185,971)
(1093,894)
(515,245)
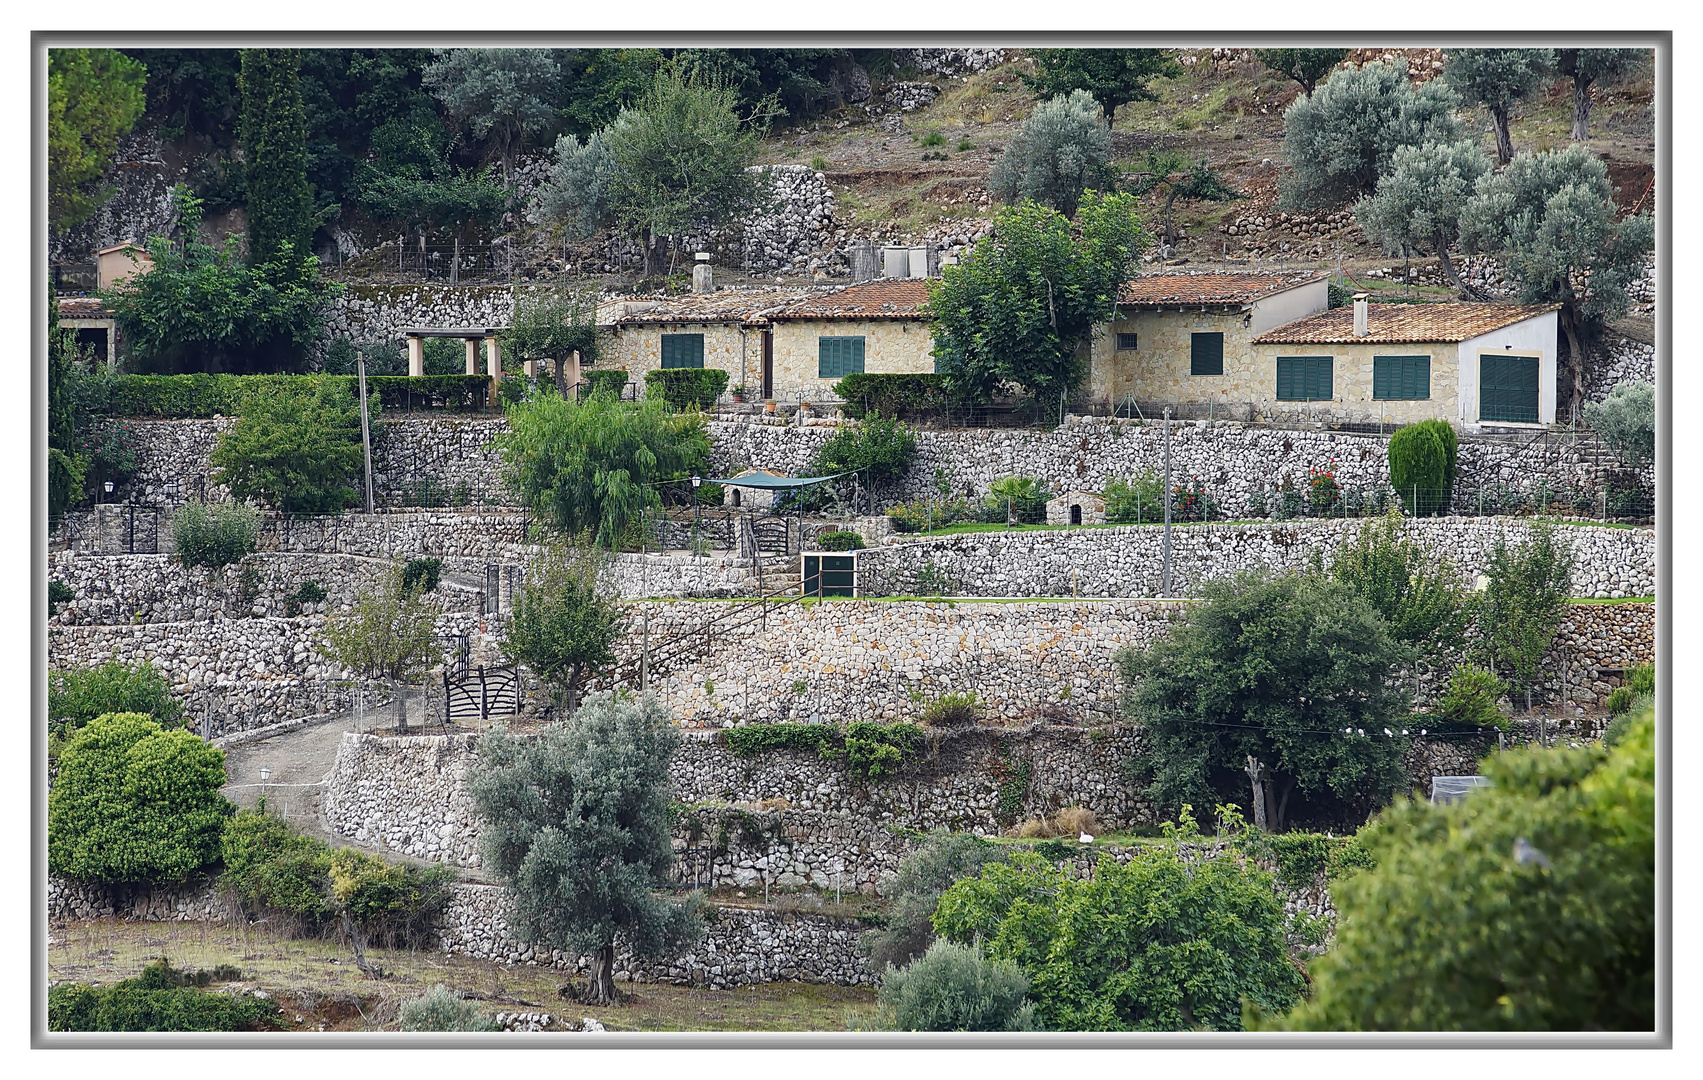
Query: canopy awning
(772,482)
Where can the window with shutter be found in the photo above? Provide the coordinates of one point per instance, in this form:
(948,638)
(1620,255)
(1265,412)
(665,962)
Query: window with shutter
(1206,354)
(837,357)
(1304,378)
(682,350)
(1507,388)
(1401,378)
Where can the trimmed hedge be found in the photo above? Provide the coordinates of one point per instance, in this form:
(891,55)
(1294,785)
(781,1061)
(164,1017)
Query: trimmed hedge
(602,380)
(686,389)
(172,397)
(840,541)
(892,395)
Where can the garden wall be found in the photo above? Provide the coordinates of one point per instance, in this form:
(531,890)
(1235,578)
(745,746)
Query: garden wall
(1129,560)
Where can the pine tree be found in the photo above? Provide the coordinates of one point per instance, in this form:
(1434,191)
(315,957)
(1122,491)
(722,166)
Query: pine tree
(274,143)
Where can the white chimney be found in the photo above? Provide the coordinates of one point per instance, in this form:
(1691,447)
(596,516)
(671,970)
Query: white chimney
(1360,315)
(702,281)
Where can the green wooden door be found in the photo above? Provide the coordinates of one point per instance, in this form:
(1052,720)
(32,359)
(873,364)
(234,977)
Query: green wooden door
(1507,388)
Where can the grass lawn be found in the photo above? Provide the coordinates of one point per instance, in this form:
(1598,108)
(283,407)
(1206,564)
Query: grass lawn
(319,989)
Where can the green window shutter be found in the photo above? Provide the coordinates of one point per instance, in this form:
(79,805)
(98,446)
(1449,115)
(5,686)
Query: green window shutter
(837,357)
(1304,378)
(1206,354)
(1401,378)
(682,350)
(1507,388)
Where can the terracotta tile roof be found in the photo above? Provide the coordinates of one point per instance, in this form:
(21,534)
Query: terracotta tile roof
(1210,288)
(1403,322)
(724,305)
(894,299)
(82,307)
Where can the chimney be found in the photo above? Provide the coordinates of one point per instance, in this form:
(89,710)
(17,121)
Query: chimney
(1360,315)
(702,281)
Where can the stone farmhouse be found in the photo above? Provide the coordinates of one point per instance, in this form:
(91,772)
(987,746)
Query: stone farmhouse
(1247,346)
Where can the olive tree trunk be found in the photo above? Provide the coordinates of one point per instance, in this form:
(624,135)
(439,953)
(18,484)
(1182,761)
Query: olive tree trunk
(600,980)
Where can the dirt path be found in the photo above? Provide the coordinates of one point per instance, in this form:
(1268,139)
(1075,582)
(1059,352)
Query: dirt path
(298,763)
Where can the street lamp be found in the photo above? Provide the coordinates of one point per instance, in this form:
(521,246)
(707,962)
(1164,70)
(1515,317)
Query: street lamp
(265,775)
(108,487)
(696,482)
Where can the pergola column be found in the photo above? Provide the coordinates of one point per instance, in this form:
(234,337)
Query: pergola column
(416,356)
(493,359)
(472,355)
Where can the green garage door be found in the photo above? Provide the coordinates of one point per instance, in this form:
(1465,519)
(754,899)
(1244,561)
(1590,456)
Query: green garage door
(1507,388)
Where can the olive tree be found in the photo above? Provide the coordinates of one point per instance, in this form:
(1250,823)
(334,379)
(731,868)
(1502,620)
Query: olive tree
(1305,66)
(501,95)
(1499,79)
(1587,66)
(1062,149)
(1627,421)
(1418,203)
(578,829)
(1181,177)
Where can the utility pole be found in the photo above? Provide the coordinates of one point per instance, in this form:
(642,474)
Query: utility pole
(366,430)
(1165,589)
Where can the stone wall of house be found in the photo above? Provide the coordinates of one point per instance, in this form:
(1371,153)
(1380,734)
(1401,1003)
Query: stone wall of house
(1128,560)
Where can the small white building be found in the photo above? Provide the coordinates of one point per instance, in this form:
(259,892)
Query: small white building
(1077,508)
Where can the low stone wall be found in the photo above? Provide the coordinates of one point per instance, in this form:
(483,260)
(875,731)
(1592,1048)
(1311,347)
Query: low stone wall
(1129,560)
(193,901)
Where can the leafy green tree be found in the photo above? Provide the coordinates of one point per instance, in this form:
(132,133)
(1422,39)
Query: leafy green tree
(134,803)
(501,95)
(553,324)
(1182,177)
(281,213)
(1422,464)
(1156,944)
(1587,66)
(939,861)
(214,535)
(566,622)
(1419,201)
(1551,218)
(93,97)
(1627,421)
(1339,140)
(954,987)
(1522,607)
(426,201)
(389,632)
(1417,593)
(677,160)
(203,308)
(65,466)
(595,464)
(76,696)
(1305,66)
(1286,678)
(602,83)
(1062,149)
(192,93)
(354,98)
(878,449)
(1499,79)
(296,448)
(577,828)
(1021,306)
(1114,76)
(1530,906)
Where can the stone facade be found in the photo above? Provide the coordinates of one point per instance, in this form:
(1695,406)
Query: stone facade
(891,347)
(1077,508)
(1351,379)
(730,346)
(1157,369)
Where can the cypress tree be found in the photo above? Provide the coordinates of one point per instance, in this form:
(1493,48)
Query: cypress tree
(274,144)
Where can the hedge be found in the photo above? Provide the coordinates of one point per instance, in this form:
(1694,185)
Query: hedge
(200,396)
(613,380)
(892,395)
(687,388)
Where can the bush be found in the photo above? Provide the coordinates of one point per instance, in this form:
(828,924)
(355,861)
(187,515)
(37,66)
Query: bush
(1022,497)
(159,999)
(951,710)
(1136,502)
(921,514)
(134,803)
(1422,464)
(1627,421)
(1072,821)
(441,1009)
(76,696)
(892,395)
(214,535)
(174,397)
(58,593)
(870,750)
(611,381)
(686,389)
(422,574)
(297,449)
(1471,698)
(954,988)
(939,861)
(879,449)
(1640,685)
(840,541)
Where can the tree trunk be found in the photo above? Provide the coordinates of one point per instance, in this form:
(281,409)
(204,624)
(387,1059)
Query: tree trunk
(561,377)
(573,688)
(1504,143)
(1278,821)
(1255,767)
(1170,197)
(455,265)
(1442,246)
(399,692)
(1581,108)
(600,980)
(1576,355)
(653,253)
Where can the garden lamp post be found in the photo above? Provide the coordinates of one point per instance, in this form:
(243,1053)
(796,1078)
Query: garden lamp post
(696,482)
(265,775)
(108,487)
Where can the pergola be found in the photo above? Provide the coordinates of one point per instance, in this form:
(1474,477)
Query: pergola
(470,335)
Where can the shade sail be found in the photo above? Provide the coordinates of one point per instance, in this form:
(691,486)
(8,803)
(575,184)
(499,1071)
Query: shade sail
(772,482)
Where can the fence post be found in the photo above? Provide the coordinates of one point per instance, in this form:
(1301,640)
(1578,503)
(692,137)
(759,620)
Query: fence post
(484,706)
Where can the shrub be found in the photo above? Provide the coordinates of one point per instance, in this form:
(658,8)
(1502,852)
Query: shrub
(1640,684)
(939,861)
(892,395)
(297,449)
(214,535)
(200,396)
(58,593)
(421,573)
(1627,421)
(1022,497)
(951,710)
(611,381)
(134,803)
(1072,821)
(441,1009)
(954,988)
(1422,464)
(879,449)
(159,999)
(922,514)
(76,696)
(840,541)
(686,389)
(1137,501)
(869,750)
(308,592)
(1471,698)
